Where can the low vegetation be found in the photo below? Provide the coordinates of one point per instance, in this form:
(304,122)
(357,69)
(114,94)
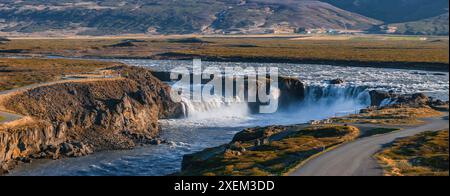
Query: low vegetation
(267,151)
(425,154)
(391,116)
(360,49)
(16,73)
(436,26)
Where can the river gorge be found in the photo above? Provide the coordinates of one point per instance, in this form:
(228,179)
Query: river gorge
(328,91)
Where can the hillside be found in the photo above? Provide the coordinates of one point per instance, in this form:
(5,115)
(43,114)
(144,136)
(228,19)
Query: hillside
(174,17)
(394,11)
(431,26)
(108,17)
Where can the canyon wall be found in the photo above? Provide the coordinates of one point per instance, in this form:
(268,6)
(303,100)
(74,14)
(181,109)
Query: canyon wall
(76,118)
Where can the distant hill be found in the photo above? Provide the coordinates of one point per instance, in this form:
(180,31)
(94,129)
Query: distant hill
(431,26)
(111,17)
(394,11)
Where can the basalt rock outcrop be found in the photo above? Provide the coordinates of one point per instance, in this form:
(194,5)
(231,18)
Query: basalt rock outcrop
(76,118)
(292,90)
(379,98)
(336,81)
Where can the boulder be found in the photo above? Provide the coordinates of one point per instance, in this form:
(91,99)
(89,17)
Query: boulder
(377,97)
(336,81)
(292,90)
(412,100)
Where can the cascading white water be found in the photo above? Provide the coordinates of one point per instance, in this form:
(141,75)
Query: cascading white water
(331,100)
(216,107)
(332,94)
(388,101)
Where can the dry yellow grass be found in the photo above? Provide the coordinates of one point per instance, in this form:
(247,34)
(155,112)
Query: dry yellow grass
(392,116)
(300,48)
(295,145)
(16,73)
(424,154)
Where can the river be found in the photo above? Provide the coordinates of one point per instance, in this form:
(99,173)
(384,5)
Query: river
(209,126)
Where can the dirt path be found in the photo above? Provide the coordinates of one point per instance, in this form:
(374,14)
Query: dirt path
(9,116)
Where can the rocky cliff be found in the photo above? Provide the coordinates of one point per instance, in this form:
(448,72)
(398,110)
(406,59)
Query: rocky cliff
(76,118)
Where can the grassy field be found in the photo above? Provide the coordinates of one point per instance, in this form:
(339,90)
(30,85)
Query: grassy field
(1,118)
(283,148)
(425,154)
(16,73)
(364,49)
(398,51)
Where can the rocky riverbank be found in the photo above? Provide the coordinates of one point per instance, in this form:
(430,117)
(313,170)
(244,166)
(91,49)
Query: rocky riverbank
(77,118)
(266,151)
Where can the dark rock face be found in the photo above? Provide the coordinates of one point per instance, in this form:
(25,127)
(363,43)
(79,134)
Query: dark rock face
(413,100)
(101,115)
(336,81)
(292,91)
(292,87)
(19,142)
(418,99)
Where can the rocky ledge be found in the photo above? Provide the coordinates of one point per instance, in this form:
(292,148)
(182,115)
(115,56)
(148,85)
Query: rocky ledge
(77,118)
(380,98)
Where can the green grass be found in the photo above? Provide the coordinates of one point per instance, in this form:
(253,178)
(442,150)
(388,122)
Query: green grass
(287,147)
(2,118)
(425,154)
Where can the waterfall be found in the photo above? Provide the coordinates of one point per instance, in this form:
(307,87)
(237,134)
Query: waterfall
(387,101)
(331,100)
(330,94)
(326,99)
(216,107)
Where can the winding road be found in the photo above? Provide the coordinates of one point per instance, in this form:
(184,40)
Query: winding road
(356,158)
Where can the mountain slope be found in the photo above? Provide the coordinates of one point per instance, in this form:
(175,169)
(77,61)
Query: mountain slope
(431,26)
(110,17)
(174,16)
(394,11)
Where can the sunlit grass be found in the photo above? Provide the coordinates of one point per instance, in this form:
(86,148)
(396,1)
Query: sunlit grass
(424,154)
(391,116)
(273,158)
(355,48)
